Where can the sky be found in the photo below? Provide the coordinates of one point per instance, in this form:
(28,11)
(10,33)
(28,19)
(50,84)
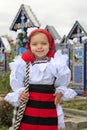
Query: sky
(61,14)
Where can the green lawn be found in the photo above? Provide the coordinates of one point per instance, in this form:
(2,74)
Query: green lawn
(75,105)
(3,127)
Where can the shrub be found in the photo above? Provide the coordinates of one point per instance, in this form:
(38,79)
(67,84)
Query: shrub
(6,113)
(4,128)
(4,83)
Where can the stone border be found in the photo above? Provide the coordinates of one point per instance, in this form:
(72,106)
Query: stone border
(75,112)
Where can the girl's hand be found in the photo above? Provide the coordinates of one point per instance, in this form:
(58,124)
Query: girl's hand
(23,97)
(57,98)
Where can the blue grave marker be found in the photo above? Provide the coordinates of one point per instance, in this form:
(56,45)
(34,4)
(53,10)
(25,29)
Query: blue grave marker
(78,74)
(24,19)
(2,64)
(80,69)
(77,34)
(21,50)
(66,51)
(85,67)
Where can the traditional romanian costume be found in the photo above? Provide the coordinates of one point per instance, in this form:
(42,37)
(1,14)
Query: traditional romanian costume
(46,77)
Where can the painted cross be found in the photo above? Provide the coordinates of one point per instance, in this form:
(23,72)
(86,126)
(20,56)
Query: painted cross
(24,19)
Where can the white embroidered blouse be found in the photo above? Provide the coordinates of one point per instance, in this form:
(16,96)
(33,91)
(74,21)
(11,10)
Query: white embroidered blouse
(43,73)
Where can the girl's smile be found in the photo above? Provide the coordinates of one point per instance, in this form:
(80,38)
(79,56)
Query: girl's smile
(39,45)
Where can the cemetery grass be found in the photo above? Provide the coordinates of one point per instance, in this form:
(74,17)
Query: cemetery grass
(72,104)
(4,128)
(75,105)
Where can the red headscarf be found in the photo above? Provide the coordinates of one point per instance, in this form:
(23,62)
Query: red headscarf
(29,57)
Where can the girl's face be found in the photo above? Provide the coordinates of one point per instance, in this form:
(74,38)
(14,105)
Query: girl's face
(39,45)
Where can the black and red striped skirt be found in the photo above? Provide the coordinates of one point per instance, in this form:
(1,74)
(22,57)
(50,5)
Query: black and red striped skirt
(40,112)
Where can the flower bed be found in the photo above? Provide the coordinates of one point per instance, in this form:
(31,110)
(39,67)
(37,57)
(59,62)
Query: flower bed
(6,112)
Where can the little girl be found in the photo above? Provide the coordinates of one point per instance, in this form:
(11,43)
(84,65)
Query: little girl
(48,80)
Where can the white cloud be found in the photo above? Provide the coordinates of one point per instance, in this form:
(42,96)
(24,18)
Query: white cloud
(59,13)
